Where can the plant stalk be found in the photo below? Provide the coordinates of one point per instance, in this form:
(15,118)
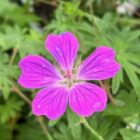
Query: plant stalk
(85,123)
(15,50)
(39,119)
(106,88)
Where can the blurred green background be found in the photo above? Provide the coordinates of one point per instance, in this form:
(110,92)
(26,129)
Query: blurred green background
(24,25)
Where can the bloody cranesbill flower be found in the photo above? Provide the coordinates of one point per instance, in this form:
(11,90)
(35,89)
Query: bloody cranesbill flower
(66,87)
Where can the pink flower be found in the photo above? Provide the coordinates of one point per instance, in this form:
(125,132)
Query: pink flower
(61,88)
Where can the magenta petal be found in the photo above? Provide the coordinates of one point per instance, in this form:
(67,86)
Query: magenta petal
(99,65)
(63,48)
(86,98)
(37,72)
(51,102)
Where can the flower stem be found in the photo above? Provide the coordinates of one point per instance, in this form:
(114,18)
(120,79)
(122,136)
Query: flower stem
(43,127)
(15,50)
(106,88)
(25,98)
(39,119)
(85,123)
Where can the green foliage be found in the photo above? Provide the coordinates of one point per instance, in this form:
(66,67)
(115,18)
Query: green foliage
(12,37)
(29,130)
(5,133)
(6,73)
(10,109)
(129,105)
(72,123)
(128,112)
(23,29)
(12,12)
(129,134)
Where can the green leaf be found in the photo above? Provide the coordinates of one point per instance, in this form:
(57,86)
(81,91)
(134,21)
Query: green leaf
(64,133)
(129,134)
(133,119)
(109,128)
(8,40)
(54,122)
(5,133)
(6,73)
(129,105)
(73,119)
(30,130)
(10,109)
(130,71)
(12,12)
(116,81)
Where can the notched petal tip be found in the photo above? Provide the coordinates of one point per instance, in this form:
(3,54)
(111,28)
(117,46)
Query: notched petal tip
(63,48)
(118,67)
(86,98)
(51,102)
(100,65)
(26,58)
(20,81)
(37,72)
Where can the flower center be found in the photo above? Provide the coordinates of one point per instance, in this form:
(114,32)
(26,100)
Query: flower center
(69,79)
(68,74)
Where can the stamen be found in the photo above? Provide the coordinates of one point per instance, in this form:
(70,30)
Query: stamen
(69,79)
(68,74)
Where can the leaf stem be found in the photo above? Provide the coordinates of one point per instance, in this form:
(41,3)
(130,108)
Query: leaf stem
(39,119)
(43,127)
(106,88)
(15,50)
(25,98)
(85,123)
